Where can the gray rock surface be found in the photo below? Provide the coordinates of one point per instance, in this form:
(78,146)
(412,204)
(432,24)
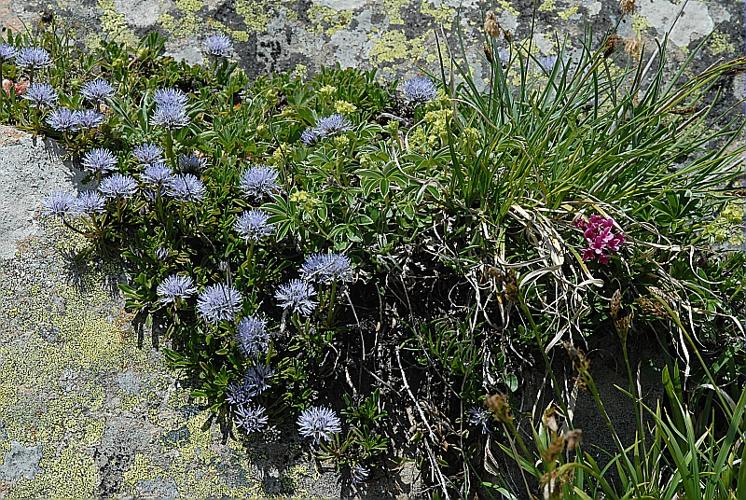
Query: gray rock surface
(30,168)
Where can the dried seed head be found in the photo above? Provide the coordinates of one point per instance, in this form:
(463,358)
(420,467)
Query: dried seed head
(491,26)
(488,53)
(626,6)
(612,43)
(573,439)
(633,47)
(550,418)
(615,305)
(499,406)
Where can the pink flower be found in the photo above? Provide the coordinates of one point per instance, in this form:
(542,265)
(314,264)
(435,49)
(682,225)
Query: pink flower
(601,239)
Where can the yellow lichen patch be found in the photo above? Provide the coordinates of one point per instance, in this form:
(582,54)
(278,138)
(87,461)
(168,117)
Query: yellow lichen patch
(141,469)
(255,15)
(506,6)
(442,14)
(569,12)
(393,46)
(393,10)
(327,20)
(547,6)
(114,24)
(71,474)
(720,43)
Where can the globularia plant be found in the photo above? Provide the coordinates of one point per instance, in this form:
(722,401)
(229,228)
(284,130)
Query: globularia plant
(367,259)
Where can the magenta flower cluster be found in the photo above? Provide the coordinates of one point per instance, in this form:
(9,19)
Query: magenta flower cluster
(601,236)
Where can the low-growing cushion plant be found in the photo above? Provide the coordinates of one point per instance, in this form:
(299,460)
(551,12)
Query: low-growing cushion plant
(366,260)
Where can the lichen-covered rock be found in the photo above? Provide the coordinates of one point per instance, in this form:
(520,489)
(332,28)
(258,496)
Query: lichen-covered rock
(396,36)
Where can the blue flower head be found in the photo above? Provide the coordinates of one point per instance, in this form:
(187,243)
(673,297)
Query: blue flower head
(59,204)
(319,423)
(326,268)
(218,46)
(251,418)
(175,287)
(157,174)
(259,181)
(63,120)
(99,161)
(118,186)
(419,90)
(33,58)
(41,95)
(326,127)
(7,52)
(88,118)
(254,382)
(186,187)
(297,296)
(147,153)
(97,90)
(479,418)
(166,97)
(90,202)
(170,115)
(219,303)
(359,474)
(253,225)
(192,163)
(258,377)
(253,337)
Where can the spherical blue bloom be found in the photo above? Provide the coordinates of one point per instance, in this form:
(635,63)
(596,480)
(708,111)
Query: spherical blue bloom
(148,153)
(88,118)
(63,120)
(118,186)
(166,97)
(41,95)
(326,268)
(157,174)
(309,136)
(218,46)
(59,203)
(419,90)
(318,422)
(90,202)
(219,303)
(332,124)
(238,393)
(253,337)
(254,382)
(192,163)
(171,115)
(259,181)
(7,52)
(97,90)
(297,296)
(251,418)
(33,58)
(186,187)
(359,474)
(257,378)
(175,287)
(99,160)
(253,225)
(480,418)
(325,127)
